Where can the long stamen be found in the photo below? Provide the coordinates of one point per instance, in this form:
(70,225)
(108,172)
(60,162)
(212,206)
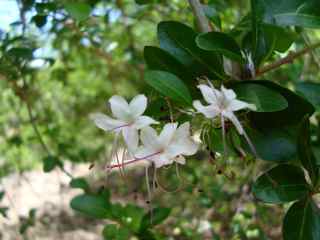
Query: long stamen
(223,137)
(149,193)
(122,126)
(133,161)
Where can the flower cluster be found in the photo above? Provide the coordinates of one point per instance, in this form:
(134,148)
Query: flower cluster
(174,142)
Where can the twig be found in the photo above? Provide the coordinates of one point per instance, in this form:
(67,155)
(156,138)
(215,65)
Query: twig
(286,60)
(200,16)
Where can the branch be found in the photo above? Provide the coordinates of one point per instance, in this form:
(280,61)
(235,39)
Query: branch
(200,15)
(288,59)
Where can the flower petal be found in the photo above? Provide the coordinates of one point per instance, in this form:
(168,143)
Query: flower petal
(236,105)
(162,160)
(138,105)
(208,111)
(228,93)
(211,95)
(120,108)
(235,121)
(105,122)
(131,138)
(180,159)
(144,121)
(167,133)
(149,139)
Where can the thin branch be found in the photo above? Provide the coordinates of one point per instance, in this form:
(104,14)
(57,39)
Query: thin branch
(200,16)
(288,59)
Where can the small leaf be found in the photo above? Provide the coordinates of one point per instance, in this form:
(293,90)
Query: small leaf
(169,85)
(265,99)
(78,10)
(302,221)
(283,183)
(39,20)
(80,183)
(51,162)
(91,205)
(220,43)
(305,151)
(115,232)
(310,91)
(21,52)
(3,211)
(212,14)
(157,217)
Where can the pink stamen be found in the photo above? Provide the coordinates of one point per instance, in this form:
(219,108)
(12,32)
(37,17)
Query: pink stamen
(133,160)
(122,126)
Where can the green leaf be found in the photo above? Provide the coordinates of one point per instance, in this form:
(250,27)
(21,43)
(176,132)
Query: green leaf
(115,232)
(21,52)
(297,108)
(2,193)
(302,221)
(132,217)
(275,144)
(80,183)
(169,85)
(157,216)
(265,99)
(91,205)
(158,59)
(303,13)
(283,183)
(220,43)
(39,20)
(305,151)
(51,162)
(3,211)
(179,40)
(310,91)
(212,14)
(78,10)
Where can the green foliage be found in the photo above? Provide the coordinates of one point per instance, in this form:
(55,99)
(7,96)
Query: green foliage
(78,10)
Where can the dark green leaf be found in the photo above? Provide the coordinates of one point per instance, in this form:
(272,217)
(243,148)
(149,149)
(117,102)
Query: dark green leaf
(157,216)
(220,43)
(21,52)
(305,151)
(78,10)
(302,221)
(2,193)
(311,92)
(3,211)
(213,15)
(50,162)
(283,183)
(169,85)
(115,232)
(179,40)
(80,183)
(91,205)
(265,99)
(39,20)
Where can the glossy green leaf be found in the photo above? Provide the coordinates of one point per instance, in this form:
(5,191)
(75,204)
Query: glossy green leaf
(179,40)
(265,99)
(283,183)
(220,43)
(78,10)
(305,151)
(310,91)
(157,216)
(91,205)
(80,183)
(115,232)
(303,13)
(39,20)
(169,85)
(275,144)
(302,221)
(212,14)
(21,52)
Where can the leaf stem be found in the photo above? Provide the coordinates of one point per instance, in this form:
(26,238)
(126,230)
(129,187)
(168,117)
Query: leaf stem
(200,16)
(286,60)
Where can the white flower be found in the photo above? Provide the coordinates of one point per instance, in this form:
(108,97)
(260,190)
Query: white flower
(128,119)
(221,104)
(170,146)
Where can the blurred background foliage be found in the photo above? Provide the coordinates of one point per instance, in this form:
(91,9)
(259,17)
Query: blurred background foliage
(59,64)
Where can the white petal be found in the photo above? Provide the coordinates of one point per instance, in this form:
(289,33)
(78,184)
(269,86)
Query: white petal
(236,105)
(234,120)
(228,93)
(162,160)
(120,108)
(167,133)
(180,159)
(182,147)
(211,95)
(138,105)
(144,153)
(182,137)
(208,111)
(131,138)
(144,121)
(149,138)
(105,122)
